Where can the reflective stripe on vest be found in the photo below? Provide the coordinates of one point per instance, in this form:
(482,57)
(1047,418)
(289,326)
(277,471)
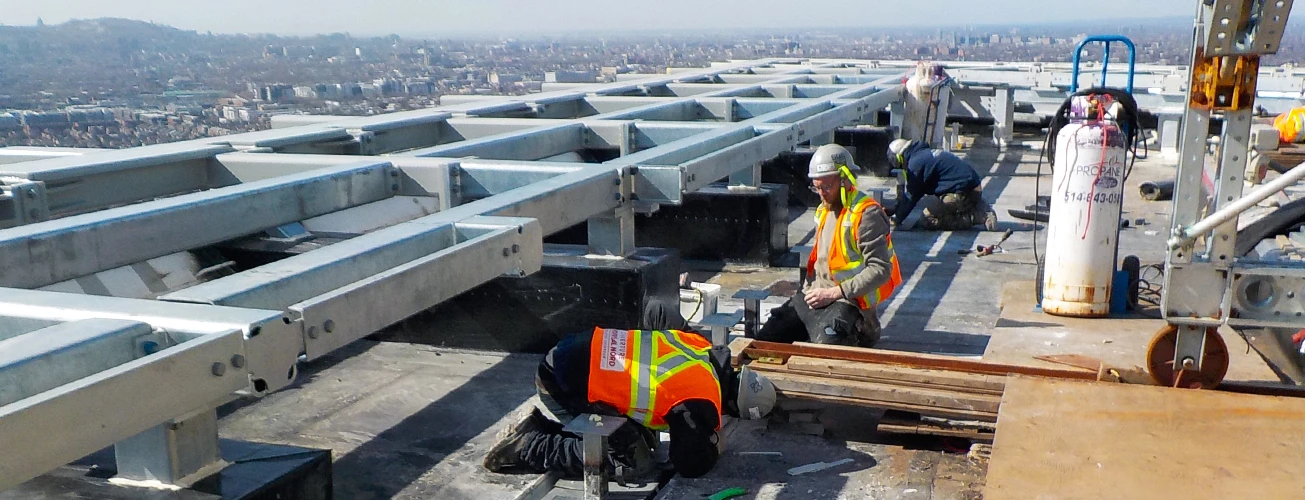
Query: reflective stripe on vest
(644,374)
(845,259)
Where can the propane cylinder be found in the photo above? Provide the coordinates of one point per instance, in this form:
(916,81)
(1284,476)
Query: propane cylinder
(1083,224)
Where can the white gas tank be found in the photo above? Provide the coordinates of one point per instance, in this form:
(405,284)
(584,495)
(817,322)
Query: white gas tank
(1086,199)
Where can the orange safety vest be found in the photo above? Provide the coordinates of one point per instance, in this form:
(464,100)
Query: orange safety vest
(645,373)
(845,259)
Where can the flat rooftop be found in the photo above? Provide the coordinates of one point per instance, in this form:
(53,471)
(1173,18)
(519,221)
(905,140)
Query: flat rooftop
(413,421)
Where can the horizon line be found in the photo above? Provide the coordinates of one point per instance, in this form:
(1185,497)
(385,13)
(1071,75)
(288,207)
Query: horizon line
(561,32)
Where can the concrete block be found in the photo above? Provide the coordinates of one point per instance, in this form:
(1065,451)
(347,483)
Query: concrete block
(716,223)
(257,471)
(572,293)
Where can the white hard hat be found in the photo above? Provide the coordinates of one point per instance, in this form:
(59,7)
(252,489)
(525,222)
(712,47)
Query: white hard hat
(827,160)
(756,395)
(898,145)
(895,150)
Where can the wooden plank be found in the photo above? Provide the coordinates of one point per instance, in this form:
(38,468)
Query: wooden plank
(911,423)
(736,349)
(933,398)
(1076,360)
(737,345)
(894,405)
(929,430)
(976,383)
(1072,440)
(771,349)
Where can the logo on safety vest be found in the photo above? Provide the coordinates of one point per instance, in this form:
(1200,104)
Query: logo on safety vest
(614,344)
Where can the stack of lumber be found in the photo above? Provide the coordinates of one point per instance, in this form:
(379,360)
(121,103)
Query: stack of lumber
(969,396)
(920,384)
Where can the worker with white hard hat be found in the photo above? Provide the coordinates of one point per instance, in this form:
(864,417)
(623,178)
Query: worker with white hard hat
(940,173)
(852,266)
(663,378)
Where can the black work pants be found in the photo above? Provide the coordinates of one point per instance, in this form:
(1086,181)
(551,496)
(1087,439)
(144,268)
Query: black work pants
(839,323)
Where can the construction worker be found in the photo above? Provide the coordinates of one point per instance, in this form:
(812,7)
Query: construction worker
(933,171)
(659,379)
(852,266)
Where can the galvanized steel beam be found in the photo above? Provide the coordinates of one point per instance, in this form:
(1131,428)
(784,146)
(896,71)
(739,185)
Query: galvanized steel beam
(40,254)
(73,420)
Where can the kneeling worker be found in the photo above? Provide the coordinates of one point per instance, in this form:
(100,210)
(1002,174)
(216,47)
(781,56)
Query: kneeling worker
(933,171)
(852,267)
(659,379)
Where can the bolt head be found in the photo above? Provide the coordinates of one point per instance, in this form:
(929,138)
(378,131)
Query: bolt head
(312,332)
(329,326)
(516,248)
(1188,363)
(238,361)
(219,369)
(149,346)
(507,251)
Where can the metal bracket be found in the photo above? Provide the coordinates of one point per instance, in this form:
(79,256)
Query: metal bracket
(719,324)
(1238,27)
(22,202)
(613,233)
(595,429)
(1189,348)
(751,310)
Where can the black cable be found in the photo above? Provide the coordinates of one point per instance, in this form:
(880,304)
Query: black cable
(1129,119)
(1037,208)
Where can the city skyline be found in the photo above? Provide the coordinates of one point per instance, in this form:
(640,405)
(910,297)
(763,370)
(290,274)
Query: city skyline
(464,17)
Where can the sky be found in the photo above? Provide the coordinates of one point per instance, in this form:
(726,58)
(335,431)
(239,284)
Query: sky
(506,17)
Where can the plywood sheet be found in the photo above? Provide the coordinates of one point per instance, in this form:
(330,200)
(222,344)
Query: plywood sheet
(1023,332)
(1068,440)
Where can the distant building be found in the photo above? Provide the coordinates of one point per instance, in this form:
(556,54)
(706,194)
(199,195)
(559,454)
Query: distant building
(571,76)
(45,119)
(388,86)
(497,78)
(8,121)
(413,87)
(274,93)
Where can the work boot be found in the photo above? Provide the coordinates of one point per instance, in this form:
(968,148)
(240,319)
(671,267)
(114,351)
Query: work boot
(635,464)
(990,221)
(985,214)
(651,437)
(929,223)
(512,441)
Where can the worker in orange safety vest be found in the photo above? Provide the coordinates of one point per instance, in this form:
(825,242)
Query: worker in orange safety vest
(662,378)
(852,267)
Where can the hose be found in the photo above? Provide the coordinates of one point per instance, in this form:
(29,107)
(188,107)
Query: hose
(1157,190)
(1129,121)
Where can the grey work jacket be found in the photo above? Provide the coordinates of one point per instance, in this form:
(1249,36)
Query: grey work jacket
(872,240)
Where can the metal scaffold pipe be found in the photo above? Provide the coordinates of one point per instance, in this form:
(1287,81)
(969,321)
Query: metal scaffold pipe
(1227,213)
